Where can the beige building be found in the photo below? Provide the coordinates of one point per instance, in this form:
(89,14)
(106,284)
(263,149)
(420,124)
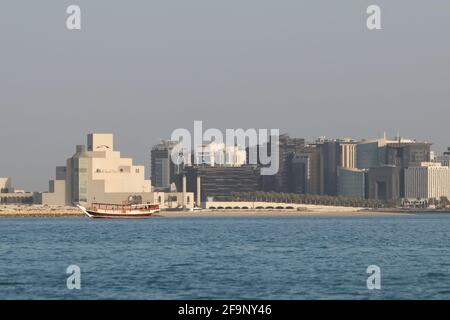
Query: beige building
(98,173)
(348,155)
(427,180)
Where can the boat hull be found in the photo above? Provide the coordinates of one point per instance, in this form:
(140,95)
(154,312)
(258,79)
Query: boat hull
(103,215)
(97,215)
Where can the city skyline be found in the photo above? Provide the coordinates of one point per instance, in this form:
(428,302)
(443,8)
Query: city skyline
(141,71)
(147,163)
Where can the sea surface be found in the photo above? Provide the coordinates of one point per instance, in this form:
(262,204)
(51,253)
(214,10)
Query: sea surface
(226,257)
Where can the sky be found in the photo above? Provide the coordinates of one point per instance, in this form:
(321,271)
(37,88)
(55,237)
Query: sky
(141,69)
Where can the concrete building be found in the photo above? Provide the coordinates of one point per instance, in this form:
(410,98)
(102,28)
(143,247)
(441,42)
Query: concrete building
(445,158)
(98,174)
(427,180)
(347,154)
(403,154)
(305,175)
(369,154)
(163,169)
(219,154)
(11,195)
(282,180)
(335,153)
(214,182)
(351,182)
(372,153)
(384,183)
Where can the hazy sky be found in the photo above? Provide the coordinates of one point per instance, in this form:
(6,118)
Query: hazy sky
(141,69)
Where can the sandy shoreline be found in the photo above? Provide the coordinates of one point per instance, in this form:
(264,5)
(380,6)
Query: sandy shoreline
(278,213)
(310,211)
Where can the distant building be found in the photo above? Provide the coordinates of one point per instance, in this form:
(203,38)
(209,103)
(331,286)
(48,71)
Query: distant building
(373,153)
(427,181)
(384,183)
(221,181)
(5,185)
(445,158)
(305,177)
(11,195)
(220,154)
(281,181)
(163,169)
(347,154)
(369,153)
(98,174)
(404,154)
(334,154)
(351,182)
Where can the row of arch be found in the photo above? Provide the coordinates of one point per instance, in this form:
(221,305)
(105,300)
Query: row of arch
(16,200)
(247,208)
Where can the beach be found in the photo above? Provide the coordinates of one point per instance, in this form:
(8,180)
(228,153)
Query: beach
(307,211)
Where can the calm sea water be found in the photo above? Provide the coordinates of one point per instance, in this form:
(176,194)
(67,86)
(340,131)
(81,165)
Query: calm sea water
(226,258)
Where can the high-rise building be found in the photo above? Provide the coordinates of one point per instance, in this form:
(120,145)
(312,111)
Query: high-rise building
(305,175)
(163,168)
(384,183)
(282,180)
(347,154)
(352,182)
(334,154)
(445,158)
(369,154)
(427,180)
(404,154)
(372,153)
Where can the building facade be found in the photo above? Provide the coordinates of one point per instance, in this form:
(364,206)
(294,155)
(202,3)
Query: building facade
(384,183)
(98,174)
(163,169)
(347,155)
(220,154)
(351,182)
(5,185)
(11,195)
(305,177)
(220,181)
(427,180)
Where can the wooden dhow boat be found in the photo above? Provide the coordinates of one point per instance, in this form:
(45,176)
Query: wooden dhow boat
(120,211)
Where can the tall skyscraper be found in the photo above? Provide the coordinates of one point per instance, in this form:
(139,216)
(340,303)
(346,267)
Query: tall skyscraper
(334,154)
(288,147)
(305,177)
(163,169)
